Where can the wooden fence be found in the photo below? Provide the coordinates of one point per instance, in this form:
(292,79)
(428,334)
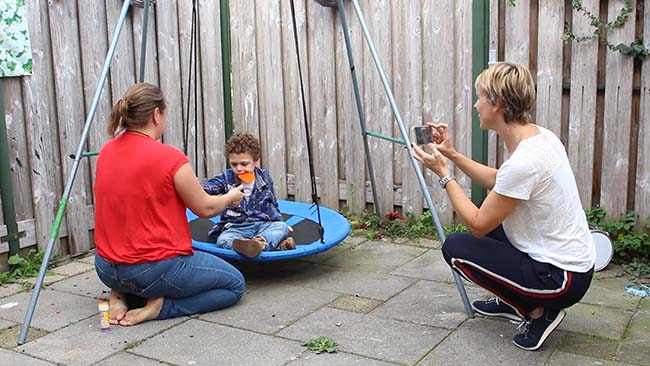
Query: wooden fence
(593,98)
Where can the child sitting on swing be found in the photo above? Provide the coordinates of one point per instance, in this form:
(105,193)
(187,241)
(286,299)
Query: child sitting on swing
(256,225)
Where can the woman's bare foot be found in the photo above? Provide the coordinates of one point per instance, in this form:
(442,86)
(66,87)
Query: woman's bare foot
(140,315)
(117,307)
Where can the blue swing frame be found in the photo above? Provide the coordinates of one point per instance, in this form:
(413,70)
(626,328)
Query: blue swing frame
(335,226)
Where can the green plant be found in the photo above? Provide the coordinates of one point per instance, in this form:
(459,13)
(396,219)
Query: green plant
(321,344)
(23,267)
(635,48)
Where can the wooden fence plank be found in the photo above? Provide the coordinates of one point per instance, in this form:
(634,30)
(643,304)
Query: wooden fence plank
(617,117)
(642,192)
(271,93)
(378,110)
(438,82)
(323,103)
(122,65)
(68,88)
(169,69)
(492,142)
(151,54)
(517,42)
(353,159)
(244,67)
(407,78)
(40,116)
(297,162)
(212,87)
(549,66)
(582,110)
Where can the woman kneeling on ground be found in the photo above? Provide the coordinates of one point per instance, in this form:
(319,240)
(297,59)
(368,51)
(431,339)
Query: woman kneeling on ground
(142,237)
(530,243)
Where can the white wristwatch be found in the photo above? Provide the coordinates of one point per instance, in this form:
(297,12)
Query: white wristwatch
(446,179)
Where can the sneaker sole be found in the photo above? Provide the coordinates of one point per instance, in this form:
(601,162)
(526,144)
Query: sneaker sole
(247,248)
(560,316)
(498,315)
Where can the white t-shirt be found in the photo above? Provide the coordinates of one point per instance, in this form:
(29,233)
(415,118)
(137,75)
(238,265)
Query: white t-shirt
(549,222)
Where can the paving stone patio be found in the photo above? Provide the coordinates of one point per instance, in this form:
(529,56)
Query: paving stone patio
(384,303)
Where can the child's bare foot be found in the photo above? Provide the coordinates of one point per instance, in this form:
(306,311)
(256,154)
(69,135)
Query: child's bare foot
(141,315)
(249,247)
(117,307)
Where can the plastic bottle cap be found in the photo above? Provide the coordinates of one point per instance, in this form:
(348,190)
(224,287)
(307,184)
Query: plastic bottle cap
(103,306)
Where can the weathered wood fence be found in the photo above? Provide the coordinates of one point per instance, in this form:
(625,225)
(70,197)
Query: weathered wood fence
(593,98)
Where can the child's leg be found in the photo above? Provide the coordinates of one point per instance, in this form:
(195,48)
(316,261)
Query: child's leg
(273,232)
(236,231)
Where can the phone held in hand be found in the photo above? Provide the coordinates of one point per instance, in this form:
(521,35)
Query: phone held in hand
(423,134)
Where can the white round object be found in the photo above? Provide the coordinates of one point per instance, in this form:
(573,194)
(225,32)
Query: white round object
(604,249)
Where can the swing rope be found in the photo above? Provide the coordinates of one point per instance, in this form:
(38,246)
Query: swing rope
(314,191)
(192,77)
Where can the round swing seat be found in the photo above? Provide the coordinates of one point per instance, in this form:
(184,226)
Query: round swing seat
(302,217)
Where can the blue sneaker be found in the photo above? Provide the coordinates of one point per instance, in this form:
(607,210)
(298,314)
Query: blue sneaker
(496,307)
(537,330)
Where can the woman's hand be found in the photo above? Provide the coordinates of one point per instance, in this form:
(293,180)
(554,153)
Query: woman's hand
(435,161)
(442,138)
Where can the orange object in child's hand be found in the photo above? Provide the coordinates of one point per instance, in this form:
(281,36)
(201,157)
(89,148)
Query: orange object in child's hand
(246,177)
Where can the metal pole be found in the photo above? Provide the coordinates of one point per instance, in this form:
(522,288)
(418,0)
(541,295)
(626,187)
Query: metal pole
(6,189)
(357,98)
(75,167)
(143,42)
(416,166)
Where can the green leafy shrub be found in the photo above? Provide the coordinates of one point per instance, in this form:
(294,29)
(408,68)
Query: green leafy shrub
(23,267)
(394,224)
(322,345)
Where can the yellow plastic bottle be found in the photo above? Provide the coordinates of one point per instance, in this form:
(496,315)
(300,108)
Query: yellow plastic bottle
(104,322)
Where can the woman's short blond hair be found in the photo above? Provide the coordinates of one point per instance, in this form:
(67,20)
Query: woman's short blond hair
(512,87)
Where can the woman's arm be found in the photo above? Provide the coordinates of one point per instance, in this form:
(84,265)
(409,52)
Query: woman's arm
(196,199)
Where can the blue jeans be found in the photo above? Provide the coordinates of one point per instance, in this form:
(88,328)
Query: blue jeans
(191,284)
(272,231)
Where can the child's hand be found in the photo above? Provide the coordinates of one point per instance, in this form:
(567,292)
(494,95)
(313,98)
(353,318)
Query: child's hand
(235,195)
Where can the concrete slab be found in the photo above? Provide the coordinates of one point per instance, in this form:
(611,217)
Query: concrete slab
(338,358)
(354,240)
(85,284)
(89,259)
(599,321)
(11,289)
(376,286)
(367,335)
(356,304)
(636,352)
(4,324)
(73,268)
(54,310)
(428,303)
(580,344)
(375,256)
(484,342)
(47,280)
(126,358)
(218,345)
(9,336)
(568,359)
(645,304)
(84,344)
(14,358)
(429,266)
(272,308)
(610,292)
(639,328)
(329,254)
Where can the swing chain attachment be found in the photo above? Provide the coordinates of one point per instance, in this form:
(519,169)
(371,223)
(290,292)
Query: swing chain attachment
(328,3)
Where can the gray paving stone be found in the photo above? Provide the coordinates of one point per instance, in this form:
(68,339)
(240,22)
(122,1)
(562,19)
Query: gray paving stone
(11,289)
(377,286)
(568,359)
(89,259)
(355,304)
(354,240)
(4,324)
(73,268)
(639,328)
(272,308)
(375,256)
(84,344)
(610,292)
(47,280)
(85,284)
(338,358)
(15,358)
(484,342)
(218,345)
(636,352)
(428,266)
(595,320)
(54,309)
(126,358)
(428,303)
(366,335)
(329,254)
(9,337)
(645,304)
(601,348)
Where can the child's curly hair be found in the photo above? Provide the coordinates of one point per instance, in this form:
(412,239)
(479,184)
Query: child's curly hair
(241,143)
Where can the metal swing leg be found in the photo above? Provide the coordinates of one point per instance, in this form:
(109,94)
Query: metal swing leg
(403,131)
(75,166)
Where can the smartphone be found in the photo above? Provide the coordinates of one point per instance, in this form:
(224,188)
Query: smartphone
(423,134)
